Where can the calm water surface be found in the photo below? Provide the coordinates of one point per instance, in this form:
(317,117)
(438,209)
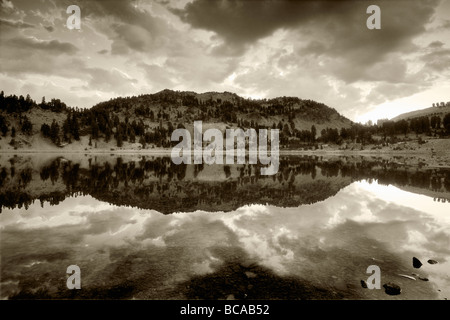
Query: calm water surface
(313,239)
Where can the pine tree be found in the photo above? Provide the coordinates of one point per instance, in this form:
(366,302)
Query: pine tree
(27,126)
(94,129)
(108,133)
(142,141)
(313,132)
(3,125)
(66,128)
(75,127)
(45,129)
(54,132)
(446,122)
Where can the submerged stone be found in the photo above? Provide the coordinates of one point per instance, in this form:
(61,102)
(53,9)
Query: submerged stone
(416,263)
(363,284)
(392,289)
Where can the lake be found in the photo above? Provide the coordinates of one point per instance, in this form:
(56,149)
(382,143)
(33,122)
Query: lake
(140,227)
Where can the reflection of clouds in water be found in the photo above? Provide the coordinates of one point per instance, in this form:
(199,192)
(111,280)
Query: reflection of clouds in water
(393,195)
(70,211)
(311,241)
(258,235)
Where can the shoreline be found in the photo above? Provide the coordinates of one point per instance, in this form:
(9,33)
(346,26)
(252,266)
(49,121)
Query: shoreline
(168,152)
(433,153)
(421,158)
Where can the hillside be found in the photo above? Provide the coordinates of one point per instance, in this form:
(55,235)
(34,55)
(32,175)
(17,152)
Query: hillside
(226,108)
(146,121)
(440,111)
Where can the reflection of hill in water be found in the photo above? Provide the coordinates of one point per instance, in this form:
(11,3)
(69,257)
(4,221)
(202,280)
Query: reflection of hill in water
(156,183)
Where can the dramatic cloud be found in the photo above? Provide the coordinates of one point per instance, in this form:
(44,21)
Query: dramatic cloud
(243,22)
(15,24)
(109,81)
(6,4)
(51,47)
(319,50)
(438,59)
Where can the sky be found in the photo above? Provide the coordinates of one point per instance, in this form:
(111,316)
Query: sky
(319,50)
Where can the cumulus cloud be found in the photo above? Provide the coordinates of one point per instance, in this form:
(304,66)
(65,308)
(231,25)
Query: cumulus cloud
(109,80)
(240,23)
(130,26)
(6,4)
(15,24)
(51,46)
(342,24)
(319,50)
(438,59)
(158,76)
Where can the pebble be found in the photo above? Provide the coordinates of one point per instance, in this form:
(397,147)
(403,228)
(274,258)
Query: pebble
(392,289)
(431,261)
(406,276)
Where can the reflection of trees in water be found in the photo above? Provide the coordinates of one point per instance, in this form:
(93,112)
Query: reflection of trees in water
(3,176)
(25,177)
(50,172)
(159,184)
(389,173)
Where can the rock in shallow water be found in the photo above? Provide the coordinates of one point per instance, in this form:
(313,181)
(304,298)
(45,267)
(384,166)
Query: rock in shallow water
(392,289)
(406,276)
(416,263)
(363,284)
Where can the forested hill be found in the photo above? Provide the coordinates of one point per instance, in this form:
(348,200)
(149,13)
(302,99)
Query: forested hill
(223,107)
(148,120)
(437,110)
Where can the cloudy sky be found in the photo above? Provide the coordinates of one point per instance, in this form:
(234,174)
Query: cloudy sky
(320,50)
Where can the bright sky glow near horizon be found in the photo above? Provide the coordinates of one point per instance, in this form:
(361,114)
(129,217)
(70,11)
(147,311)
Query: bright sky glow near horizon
(394,195)
(320,50)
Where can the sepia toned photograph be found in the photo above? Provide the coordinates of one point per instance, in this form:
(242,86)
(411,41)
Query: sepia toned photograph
(224,150)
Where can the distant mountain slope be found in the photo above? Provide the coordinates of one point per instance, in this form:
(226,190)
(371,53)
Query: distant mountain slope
(226,107)
(433,111)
